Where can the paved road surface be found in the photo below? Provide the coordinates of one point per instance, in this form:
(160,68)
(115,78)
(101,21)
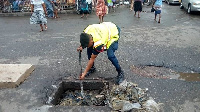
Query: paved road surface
(173,44)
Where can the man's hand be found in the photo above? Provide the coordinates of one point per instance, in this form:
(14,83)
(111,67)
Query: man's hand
(82,76)
(79,49)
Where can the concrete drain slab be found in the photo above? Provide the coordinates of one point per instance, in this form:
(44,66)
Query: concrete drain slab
(68,93)
(11,75)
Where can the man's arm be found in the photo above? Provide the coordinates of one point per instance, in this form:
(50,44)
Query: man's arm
(89,65)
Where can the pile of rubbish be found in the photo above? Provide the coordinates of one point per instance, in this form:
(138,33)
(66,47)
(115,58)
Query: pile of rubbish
(124,97)
(128,96)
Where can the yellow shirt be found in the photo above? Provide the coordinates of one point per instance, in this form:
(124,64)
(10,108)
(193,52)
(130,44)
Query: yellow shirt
(105,33)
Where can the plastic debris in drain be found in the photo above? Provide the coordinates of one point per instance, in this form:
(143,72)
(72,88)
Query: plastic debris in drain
(73,98)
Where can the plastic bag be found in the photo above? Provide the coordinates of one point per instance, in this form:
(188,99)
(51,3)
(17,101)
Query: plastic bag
(129,106)
(151,105)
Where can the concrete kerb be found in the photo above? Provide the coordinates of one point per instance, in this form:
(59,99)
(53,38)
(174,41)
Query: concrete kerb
(15,14)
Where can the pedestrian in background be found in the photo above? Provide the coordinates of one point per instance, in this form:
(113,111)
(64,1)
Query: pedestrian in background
(101,10)
(94,3)
(99,38)
(89,2)
(55,8)
(84,8)
(157,6)
(132,3)
(137,7)
(49,8)
(110,5)
(114,5)
(38,17)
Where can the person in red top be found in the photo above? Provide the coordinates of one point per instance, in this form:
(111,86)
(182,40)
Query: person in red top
(101,10)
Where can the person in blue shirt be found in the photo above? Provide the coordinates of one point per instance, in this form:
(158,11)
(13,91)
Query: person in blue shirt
(55,8)
(157,5)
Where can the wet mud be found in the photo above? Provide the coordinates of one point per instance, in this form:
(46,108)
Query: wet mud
(163,73)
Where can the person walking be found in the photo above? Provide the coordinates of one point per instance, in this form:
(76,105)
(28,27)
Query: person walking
(49,8)
(38,17)
(98,38)
(101,10)
(131,5)
(55,8)
(110,5)
(137,7)
(157,6)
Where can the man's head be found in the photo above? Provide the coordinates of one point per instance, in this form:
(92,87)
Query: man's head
(86,40)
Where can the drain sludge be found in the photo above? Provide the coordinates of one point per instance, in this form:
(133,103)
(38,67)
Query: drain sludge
(69,93)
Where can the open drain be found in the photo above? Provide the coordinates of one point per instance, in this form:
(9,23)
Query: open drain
(124,97)
(68,93)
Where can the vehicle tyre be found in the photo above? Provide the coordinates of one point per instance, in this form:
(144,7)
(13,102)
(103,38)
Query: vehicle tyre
(168,2)
(181,6)
(189,9)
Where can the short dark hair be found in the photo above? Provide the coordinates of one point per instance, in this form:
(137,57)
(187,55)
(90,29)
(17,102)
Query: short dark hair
(84,39)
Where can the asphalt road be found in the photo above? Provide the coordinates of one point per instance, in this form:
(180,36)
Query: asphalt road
(172,44)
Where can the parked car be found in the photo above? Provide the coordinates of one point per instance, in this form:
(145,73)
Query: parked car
(172,2)
(190,5)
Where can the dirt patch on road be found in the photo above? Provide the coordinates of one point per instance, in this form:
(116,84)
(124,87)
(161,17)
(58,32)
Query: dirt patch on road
(163,73)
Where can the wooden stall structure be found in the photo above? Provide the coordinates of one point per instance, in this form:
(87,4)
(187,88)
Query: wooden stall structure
(67,4)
